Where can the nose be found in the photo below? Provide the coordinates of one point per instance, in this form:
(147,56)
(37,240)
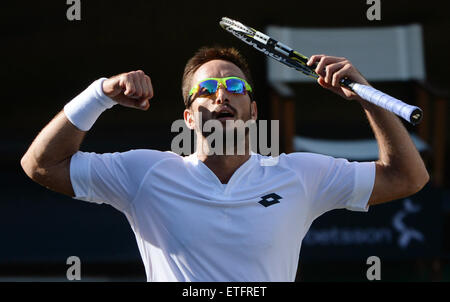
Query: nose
(221,95)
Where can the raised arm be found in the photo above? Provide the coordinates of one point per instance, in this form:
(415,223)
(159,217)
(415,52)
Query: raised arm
(400,170)
(47,160)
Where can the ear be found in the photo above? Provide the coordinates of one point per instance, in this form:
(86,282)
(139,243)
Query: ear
(253,110)
(189,118)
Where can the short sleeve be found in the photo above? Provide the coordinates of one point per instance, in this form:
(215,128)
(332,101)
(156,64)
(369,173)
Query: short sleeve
(334,183)
(111,178)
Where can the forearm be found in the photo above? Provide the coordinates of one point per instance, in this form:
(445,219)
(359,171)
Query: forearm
(62,137)
(47,160)
(400,171)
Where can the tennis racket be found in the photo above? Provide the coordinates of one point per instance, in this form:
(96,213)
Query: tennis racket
(286,55)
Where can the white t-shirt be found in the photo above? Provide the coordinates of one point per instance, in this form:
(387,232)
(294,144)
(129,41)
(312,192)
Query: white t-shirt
(191,227)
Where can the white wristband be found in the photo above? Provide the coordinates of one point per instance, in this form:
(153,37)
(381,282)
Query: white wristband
(86,107)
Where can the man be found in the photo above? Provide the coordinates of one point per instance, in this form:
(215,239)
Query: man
(211,217)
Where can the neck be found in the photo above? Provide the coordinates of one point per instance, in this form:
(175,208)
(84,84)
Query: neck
(223,166)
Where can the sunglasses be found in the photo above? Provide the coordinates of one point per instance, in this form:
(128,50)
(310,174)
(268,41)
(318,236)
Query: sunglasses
(209,86)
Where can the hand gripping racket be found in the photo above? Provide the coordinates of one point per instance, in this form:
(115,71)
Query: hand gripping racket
(286,55)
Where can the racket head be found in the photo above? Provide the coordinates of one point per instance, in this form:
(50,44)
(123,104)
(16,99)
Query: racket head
(229,24)
(270,47)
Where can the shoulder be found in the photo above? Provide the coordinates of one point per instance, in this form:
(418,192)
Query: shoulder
(133,162)
(146,154)
(320,163)
(309,165)
(144,159)
(296,159)
(138,156)
(306,157)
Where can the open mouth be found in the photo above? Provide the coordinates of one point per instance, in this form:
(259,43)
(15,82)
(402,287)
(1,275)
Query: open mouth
(224,114)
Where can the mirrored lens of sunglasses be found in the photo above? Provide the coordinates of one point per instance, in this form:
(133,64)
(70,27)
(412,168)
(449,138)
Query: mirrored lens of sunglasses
(235,86)
(207,87)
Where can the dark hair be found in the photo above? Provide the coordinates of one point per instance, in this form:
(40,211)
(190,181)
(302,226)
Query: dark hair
(206,54)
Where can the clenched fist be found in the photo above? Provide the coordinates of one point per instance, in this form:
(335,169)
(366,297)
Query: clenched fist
(131,89)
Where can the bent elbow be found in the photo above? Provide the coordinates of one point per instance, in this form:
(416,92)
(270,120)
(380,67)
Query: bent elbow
(418,182)
(31,168)
(27,166)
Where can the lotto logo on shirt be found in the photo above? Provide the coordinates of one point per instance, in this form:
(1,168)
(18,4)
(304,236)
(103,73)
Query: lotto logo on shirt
(270,199)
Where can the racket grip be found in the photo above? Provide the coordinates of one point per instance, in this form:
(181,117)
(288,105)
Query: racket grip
(412,114)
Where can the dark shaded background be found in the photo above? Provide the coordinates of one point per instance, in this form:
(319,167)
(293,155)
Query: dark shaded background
(47,60)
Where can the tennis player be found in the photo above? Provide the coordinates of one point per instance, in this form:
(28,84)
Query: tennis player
(210,217)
